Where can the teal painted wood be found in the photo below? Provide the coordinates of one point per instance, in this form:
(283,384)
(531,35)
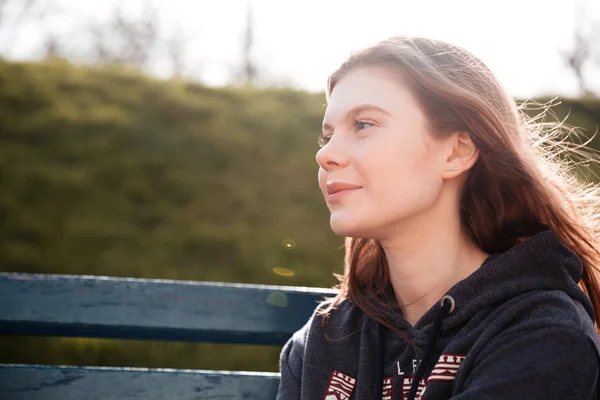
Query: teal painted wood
(92,306)
(18,382)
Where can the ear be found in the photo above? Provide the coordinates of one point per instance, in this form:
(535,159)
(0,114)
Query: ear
(461,155)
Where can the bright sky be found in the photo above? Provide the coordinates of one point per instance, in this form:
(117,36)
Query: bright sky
(301,42)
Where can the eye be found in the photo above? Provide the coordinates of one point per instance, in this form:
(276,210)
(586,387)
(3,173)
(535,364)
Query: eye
(323,140)
(360,124)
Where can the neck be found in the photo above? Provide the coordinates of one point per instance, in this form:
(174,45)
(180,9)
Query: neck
(427,261)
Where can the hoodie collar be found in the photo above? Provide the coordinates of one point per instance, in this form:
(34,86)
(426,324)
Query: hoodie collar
(541,262)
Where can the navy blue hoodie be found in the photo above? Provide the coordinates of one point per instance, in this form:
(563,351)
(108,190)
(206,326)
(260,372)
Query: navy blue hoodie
(517,328)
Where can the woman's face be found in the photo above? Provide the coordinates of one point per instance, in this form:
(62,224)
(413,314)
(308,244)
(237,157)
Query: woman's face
(378,148)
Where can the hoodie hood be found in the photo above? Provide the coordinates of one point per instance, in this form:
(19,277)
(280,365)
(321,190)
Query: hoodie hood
(540,263)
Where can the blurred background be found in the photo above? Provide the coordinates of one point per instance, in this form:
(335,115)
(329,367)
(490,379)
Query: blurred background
(176,139)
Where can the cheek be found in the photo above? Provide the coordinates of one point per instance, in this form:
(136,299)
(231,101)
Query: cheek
(405,174)
(392,161)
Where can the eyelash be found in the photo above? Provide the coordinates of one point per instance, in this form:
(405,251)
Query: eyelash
(323,140)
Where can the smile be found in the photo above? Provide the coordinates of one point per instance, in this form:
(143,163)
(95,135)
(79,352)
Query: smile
(339,195)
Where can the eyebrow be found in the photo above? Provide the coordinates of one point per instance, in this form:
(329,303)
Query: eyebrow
(358,109)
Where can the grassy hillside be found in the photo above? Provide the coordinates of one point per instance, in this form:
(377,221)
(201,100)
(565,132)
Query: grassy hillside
(114,174)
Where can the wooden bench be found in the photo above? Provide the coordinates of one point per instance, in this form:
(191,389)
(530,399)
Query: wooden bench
(126,308)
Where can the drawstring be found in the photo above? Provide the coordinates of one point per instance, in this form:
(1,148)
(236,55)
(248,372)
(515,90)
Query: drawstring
(447,308)
(380,362)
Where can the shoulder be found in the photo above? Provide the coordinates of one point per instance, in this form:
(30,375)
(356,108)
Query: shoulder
(548,309)
(342,320)
(540,342)
(307,350)
(339,319)
(536,322)
(343,315)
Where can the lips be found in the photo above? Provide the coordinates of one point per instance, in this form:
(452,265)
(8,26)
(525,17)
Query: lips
(338,190)
(335,187)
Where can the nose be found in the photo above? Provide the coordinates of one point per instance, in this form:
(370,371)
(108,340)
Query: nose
(332,154)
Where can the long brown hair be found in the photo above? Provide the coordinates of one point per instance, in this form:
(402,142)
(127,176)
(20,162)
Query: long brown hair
(521,184)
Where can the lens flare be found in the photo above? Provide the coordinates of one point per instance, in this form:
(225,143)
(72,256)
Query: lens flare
(283,271)
(288,243)
(278,299)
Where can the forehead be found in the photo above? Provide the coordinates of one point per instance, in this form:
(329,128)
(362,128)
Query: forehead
(374,85)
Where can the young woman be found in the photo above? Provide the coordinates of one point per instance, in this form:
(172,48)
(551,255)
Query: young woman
(471,252)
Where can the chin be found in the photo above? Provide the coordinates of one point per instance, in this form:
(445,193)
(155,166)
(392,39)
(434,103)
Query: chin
(346,226)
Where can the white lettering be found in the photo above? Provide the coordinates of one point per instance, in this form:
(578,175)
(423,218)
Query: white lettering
(400,373)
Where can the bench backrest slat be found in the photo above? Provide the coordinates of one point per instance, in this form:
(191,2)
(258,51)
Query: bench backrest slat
(73,383)
(89,306)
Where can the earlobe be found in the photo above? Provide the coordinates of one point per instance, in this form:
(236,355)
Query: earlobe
(462,154)
(464,151)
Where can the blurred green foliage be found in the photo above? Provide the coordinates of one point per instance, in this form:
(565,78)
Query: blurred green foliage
(106,172)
